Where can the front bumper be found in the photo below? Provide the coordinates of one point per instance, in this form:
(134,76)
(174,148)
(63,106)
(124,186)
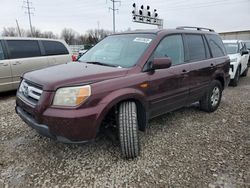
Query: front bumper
(40,128)
(64,125)
(43,129)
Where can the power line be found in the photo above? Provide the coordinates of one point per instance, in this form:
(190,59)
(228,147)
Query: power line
(204,4)
(114,9)
(70,14)
(28,6)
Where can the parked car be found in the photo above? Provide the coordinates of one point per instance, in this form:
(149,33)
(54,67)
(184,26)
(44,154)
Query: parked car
(75,51)
(82,51)
(247,43)
(122,82)
(20,55)
(239,56)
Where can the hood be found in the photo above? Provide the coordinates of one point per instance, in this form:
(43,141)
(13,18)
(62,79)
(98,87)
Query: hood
(70,74)
(233,56)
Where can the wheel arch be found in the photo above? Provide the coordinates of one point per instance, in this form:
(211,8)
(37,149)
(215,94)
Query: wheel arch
(220,76)
(221,80)
(114,99)
(240,67)
(141,112)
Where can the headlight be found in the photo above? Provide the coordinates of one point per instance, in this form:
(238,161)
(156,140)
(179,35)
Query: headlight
(71,96)
(233,60)
(20,89)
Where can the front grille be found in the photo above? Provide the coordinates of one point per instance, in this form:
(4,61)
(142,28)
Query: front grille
(30,91)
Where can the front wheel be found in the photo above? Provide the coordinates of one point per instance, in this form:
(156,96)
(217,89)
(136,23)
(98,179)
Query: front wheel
(245,72)
(128,129)
(211,100)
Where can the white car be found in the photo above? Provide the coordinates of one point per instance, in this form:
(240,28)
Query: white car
(239,55)
(247,43)
(21,55)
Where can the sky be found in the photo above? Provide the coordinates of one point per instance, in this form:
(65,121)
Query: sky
(82,15)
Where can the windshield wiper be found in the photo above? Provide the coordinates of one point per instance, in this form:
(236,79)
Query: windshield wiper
(100,63)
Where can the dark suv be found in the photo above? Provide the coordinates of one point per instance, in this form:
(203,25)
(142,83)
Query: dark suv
(122,82)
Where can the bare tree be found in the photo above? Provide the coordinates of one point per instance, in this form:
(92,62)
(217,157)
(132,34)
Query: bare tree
(49,34)
(82,39)
(68,35)
(104,33)
(36,33)
(10,32)
(96,35)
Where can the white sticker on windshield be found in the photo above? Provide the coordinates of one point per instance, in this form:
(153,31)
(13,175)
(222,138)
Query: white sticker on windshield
(144,40)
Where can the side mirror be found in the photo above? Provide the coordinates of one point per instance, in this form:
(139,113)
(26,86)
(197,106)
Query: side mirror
(244,52)
(161,63)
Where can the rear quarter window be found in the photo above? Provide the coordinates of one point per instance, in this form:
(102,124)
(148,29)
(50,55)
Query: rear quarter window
(54,48)
(216,45)
(23,48)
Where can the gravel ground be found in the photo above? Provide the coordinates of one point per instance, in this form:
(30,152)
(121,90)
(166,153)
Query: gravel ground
(185,148)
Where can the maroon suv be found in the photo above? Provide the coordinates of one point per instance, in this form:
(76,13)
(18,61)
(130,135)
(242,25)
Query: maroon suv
(125,80)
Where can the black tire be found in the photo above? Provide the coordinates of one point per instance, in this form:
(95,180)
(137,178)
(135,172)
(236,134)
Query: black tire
(128,129)
(207,103)
(234,82)
(244,74)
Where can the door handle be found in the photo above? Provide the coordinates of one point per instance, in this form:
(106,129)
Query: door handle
(4,64)
(16,63)
(184,71)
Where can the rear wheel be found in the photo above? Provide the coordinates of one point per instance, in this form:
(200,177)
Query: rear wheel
(211,100)
(234,82)
(128,129)
(245,72)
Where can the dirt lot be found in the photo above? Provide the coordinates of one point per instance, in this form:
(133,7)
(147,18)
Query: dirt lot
(185,148)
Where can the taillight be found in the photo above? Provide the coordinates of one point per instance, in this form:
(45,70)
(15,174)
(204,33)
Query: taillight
(74,58)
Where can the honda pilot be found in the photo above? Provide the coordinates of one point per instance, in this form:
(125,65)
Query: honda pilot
(122,82)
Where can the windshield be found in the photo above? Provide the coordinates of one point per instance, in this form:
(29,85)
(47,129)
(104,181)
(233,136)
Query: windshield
(248,45)
(119,50)
(231,48)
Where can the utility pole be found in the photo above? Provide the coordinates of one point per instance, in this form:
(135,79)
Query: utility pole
(98,29)
(114,9)
(27,5)
(18,28)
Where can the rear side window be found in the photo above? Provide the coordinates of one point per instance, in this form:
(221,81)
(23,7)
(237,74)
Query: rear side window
(1,52)
(54,48)
(196,47)
(171,46)
(216,45)
(23,48)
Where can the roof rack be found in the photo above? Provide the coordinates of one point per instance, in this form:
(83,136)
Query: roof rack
(197,28)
